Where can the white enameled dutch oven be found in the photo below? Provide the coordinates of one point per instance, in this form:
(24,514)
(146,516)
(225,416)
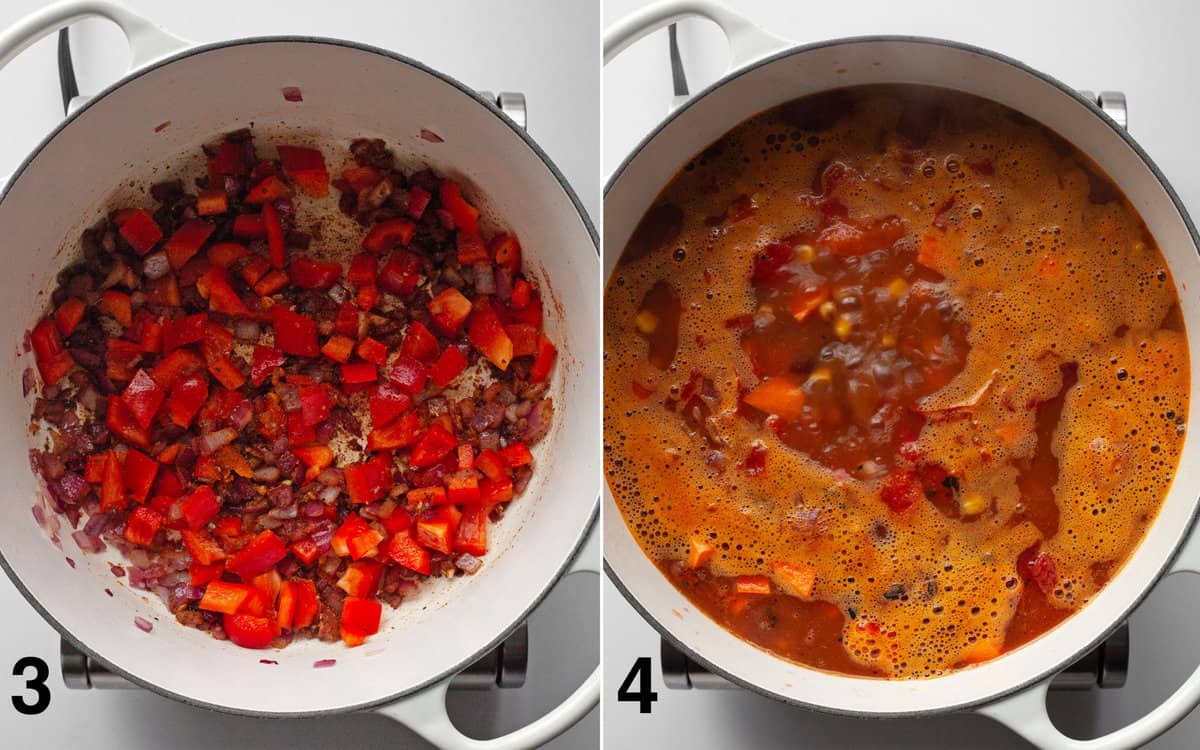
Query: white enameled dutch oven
(349,90)
(766,71)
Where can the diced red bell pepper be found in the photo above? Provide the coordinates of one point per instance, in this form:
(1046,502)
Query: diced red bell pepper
(315,405)
(178,364)
(360,619)
(471,250)
(369,481)
(409,374)
(187,396)
(338,348)
(387,233)
(423,497)
(53,369)
(495,491)
(273,228)
(294,333)
(117,306)
(491,464)
(466,456)
(543,363)
(466,216)
(521,294)
(516,454)
(226,371)
(756,585)
(346,323)
(204,574)
(506,251)
(306,604)
(212,202)
(254,269)
(268,584)
(186,241)
(402,549)
(419,342)
(305,550)
(224,597)
(225,254)
(255,604)
(471,534)
(437,531)
(68,315)
(486,333)
(449,310)
(432,447)
(93,471)
(138,474)
(524,339)
(270,188)
(361,178)
(373,351)
(307,273)
(164,291)
(362,576)
(123,424)
(401,433)
(306,167)
(448,366)
(316,457)
(352,527)
(271,283)
(400,273)
(112,487)
(462,488)
(122,357)
(144,397)
(249,631)
(530,313)
(202,547)
(53,360)
(358,373)
(362,270)
(299,433)
(229,527)
(387,402)
(184,331)
(147,332)
(214,286)
(259,555)
(249,226)
(205,469)
(264,361)
(141,231)
(285,607)
(142,525)
(418,201)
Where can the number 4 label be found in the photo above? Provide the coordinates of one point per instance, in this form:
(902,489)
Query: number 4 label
(644,697)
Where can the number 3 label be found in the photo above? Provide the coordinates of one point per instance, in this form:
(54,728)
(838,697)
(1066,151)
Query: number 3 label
(644,697)
(36,684)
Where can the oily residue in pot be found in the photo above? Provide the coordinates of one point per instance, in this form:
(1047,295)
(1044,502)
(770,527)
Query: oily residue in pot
(895,380)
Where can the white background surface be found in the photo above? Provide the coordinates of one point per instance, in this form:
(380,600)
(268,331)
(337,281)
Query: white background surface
(1146,50)
(547,49)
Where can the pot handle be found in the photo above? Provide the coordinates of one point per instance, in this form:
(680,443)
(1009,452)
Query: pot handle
(1025,713)
(747,42)
(147,42)
(425,712)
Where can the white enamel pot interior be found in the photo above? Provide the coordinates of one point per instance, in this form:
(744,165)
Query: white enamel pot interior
(348,91)
(776,77)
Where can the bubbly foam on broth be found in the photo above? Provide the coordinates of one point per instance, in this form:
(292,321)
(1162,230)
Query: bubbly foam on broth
(1071,311)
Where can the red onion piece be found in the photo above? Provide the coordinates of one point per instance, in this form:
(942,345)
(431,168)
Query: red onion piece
(329,494)
(241,416)
(485,280)
(210,441)
(267,474)
(431,136)
(142,624)
(39,515)
(267,661)
(292,93)
(88,542)
(28,381)
(247,330)
(503,278)
(155,266)
(313,509)
(70,562)
(324,663)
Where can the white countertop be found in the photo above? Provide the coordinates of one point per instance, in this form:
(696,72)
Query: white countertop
(496,46)
(1146,50)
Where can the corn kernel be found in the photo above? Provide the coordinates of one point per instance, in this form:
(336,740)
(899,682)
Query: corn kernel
(843,326)
(973,504)
(646,322)
(897,288)
(888,340)
(805,253)
(827,309)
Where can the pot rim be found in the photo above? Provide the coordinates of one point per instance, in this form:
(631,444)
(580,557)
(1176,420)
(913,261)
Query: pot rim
(1065,661)
(471,94)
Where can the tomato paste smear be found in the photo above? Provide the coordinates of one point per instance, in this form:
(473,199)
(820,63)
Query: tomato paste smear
(276,439)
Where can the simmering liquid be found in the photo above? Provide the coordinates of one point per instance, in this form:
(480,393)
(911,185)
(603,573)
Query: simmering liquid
(895,380)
